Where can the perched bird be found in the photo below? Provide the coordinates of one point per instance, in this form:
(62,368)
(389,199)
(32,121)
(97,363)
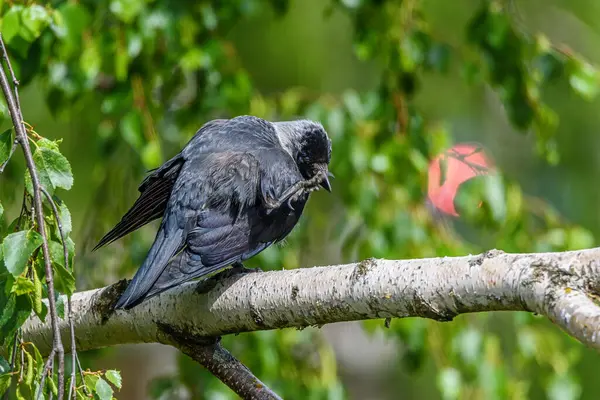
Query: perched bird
(237,187)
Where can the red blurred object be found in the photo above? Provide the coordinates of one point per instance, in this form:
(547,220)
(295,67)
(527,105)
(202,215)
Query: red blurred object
(450,169)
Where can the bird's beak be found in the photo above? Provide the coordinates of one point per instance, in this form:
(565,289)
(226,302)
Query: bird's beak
(325,182)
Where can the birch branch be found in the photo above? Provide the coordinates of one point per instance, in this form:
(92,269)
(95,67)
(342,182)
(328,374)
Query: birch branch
(14,108)
(561,286)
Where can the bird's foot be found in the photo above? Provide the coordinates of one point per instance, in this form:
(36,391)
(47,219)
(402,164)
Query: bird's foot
(296,191)
(238,268)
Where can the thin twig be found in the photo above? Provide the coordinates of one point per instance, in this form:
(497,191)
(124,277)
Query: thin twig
(47,368)
(85,389)
(21,135)
(74,361)
(228,369)
(22,212)
(22,359)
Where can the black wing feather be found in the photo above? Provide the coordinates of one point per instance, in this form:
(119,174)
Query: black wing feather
(154,195)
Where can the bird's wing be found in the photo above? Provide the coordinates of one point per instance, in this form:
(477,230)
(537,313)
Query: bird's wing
(215,217)
(154,195)
(155,190)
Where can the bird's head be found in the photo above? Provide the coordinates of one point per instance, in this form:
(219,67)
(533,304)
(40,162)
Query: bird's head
(308,144)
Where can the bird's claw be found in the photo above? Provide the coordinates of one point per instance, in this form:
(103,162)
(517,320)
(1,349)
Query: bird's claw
(295,192)
(239,268)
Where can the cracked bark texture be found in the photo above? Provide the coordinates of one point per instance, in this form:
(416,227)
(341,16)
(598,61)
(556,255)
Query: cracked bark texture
(561,286)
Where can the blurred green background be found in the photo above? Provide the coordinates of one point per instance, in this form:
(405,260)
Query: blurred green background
(125,84)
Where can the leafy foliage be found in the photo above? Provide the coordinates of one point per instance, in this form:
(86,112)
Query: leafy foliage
(137,78)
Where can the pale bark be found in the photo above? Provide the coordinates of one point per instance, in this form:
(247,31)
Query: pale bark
(560,286)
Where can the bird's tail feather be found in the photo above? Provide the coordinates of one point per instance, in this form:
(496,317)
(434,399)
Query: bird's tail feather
(169,241)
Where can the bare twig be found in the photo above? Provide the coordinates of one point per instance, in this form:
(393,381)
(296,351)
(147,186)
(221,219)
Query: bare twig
(21,136)
(222,364)
(48,366)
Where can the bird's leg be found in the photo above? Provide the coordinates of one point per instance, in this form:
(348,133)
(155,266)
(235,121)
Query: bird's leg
(238,268)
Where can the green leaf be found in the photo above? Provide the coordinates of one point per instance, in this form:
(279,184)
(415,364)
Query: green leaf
(131,129)
(495,195)
(65,218)
(49,144)
(57,253)
(54,170)
(35,19)
(91,380)
(579,238)
(585,80)
(4,383)
(17,248)
(29,373)
(114,377)
(449,382)
(22,285)
(11,23)
(91,61)
(6,142)
(468,345)
(5,366)
(52,385)
(121,63)
(57,24)
(151,155)
(3,271)
(63,280)
(13,316)
(60,305)
(103,390)
(8,309)
(563,387)
(160,386)
(3,111)
(38,306)
(126,10)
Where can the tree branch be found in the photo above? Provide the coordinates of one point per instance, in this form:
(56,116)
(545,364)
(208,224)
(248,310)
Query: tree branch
(209,353)
(560,286)
(14,108)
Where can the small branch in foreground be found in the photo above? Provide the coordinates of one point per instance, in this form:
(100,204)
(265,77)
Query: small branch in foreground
(209,353)
(16,115)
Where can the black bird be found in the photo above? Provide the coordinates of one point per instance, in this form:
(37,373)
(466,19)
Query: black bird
(237,187)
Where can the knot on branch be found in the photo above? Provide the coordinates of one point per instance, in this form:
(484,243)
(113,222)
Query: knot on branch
(362,268)
(478,260)
(105,300)
(425,309)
